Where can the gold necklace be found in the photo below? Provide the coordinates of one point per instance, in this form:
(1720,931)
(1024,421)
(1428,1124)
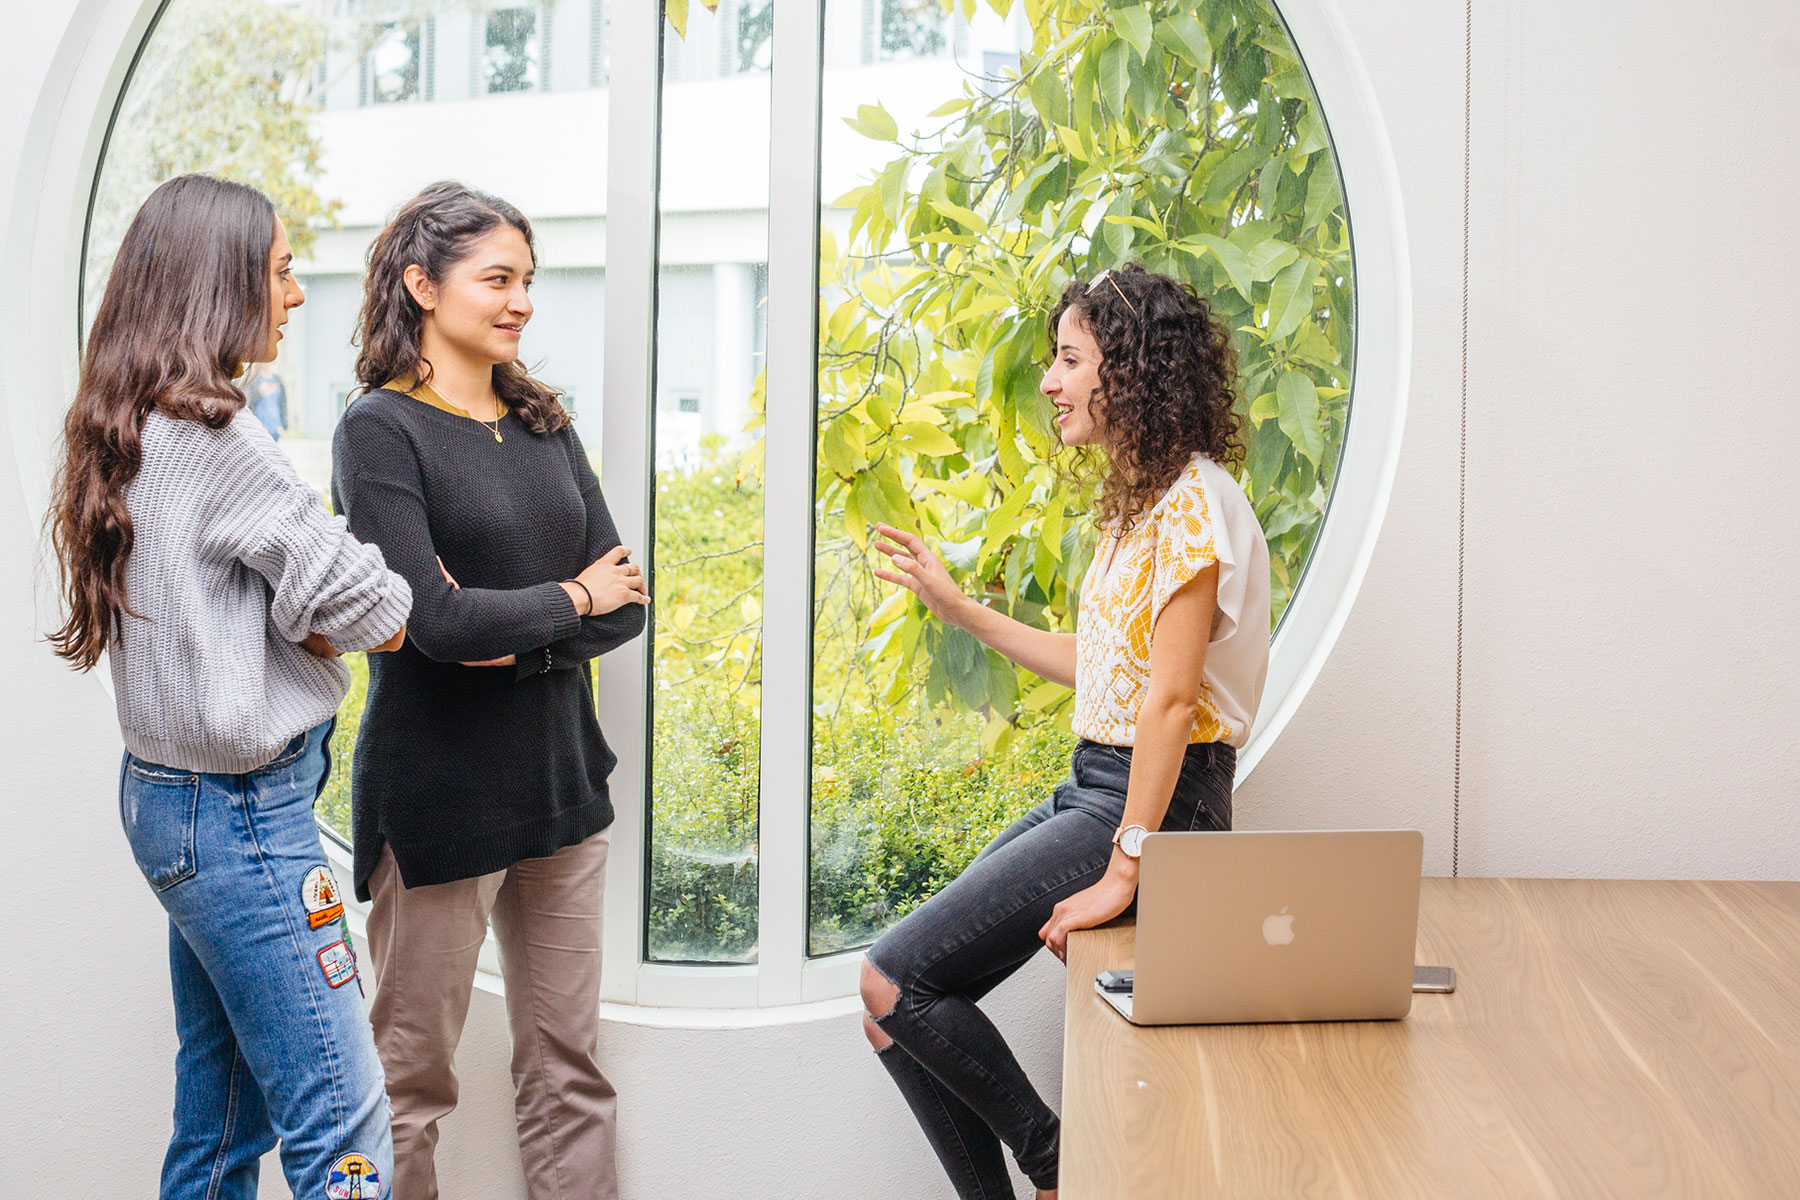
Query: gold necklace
(499,411)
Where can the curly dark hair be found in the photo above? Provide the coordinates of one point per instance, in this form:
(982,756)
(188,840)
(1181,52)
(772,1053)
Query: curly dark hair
(436,229)
(1168,386)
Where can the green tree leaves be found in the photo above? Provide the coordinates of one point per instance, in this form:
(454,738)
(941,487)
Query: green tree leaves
(1299,414)
(1183,136)
(1183,36)
(1134,25)
(1291,297)
(229,87)
(677,13)
(874,121)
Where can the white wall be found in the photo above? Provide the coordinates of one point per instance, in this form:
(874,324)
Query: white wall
(1631,577)
(1630,667)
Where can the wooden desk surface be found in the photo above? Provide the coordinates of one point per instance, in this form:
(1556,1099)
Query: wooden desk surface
(1606,1038)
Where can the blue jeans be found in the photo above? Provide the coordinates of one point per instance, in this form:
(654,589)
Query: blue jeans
(275,1040)
(953,1068)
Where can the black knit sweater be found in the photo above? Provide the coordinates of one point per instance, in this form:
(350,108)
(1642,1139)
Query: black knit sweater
(467,770)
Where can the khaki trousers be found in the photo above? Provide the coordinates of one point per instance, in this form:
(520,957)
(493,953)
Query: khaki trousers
(424,942)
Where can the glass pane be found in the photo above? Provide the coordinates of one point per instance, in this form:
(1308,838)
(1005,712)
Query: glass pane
(706,699)
(970,169)
(513,52)
(274,95)
(394,65)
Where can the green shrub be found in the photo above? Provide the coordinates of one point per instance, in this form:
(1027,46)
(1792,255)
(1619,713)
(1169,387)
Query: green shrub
(334,805)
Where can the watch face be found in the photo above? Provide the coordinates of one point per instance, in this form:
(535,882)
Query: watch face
(1132,840)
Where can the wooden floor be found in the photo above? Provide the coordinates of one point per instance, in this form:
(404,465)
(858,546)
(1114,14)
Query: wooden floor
(1607,1039)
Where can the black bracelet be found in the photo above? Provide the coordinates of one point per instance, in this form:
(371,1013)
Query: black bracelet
(588,594)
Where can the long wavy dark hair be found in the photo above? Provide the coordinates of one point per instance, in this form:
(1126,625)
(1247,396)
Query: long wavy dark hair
(186,305)
(1168,387)
(435,230)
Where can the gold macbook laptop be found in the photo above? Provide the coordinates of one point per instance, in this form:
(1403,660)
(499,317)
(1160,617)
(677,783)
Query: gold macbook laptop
(1240,927)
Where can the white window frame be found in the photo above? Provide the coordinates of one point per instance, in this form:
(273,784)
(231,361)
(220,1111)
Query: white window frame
(39,333)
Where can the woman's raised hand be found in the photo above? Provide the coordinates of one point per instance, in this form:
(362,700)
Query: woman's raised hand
(319,646)
(614,583)
(917,569)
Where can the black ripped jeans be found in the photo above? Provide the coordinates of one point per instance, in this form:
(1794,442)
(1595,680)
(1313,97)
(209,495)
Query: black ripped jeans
(952,1066)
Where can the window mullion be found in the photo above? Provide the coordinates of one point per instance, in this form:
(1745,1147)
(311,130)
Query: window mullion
(788,497)
(625,451)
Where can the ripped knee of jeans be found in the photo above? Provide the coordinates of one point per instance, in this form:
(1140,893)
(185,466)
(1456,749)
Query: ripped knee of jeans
(878,1037)
(880,995)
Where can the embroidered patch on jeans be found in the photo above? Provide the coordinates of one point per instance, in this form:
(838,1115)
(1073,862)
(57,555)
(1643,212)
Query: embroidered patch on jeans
(353,1177)
(320,897)
(338,964)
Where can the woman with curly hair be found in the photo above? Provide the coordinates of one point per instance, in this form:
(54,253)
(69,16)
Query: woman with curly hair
(1167,661)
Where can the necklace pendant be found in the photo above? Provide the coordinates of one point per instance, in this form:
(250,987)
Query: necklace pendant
(498,438)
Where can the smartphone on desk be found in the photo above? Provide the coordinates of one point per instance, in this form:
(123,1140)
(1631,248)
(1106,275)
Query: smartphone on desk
(1434,979)
(1114,981)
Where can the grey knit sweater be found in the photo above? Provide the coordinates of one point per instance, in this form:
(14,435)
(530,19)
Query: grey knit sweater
(235,562)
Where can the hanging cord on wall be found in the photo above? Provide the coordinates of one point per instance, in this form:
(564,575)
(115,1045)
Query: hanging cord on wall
(1462,469)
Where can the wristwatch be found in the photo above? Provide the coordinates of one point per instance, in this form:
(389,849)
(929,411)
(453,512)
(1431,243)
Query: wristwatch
(1131,840)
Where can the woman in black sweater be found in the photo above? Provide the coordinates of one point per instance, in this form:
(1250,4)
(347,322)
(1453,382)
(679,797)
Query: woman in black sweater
(479,782)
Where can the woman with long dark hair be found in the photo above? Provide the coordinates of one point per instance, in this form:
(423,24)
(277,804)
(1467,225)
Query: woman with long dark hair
(1167,661)
(221,590)
(479,788)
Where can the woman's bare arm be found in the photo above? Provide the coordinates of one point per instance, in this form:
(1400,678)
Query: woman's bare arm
(1177,662)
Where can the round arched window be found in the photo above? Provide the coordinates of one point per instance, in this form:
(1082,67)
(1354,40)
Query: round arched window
(853,218)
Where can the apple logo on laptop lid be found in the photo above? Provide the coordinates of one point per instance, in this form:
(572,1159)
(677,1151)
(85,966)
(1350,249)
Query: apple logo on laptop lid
(1278,930)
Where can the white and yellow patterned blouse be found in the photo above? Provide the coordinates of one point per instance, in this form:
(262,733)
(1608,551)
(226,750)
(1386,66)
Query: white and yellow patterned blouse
(1204,518)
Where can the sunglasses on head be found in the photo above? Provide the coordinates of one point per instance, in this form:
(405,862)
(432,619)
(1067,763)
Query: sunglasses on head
(1107,276)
